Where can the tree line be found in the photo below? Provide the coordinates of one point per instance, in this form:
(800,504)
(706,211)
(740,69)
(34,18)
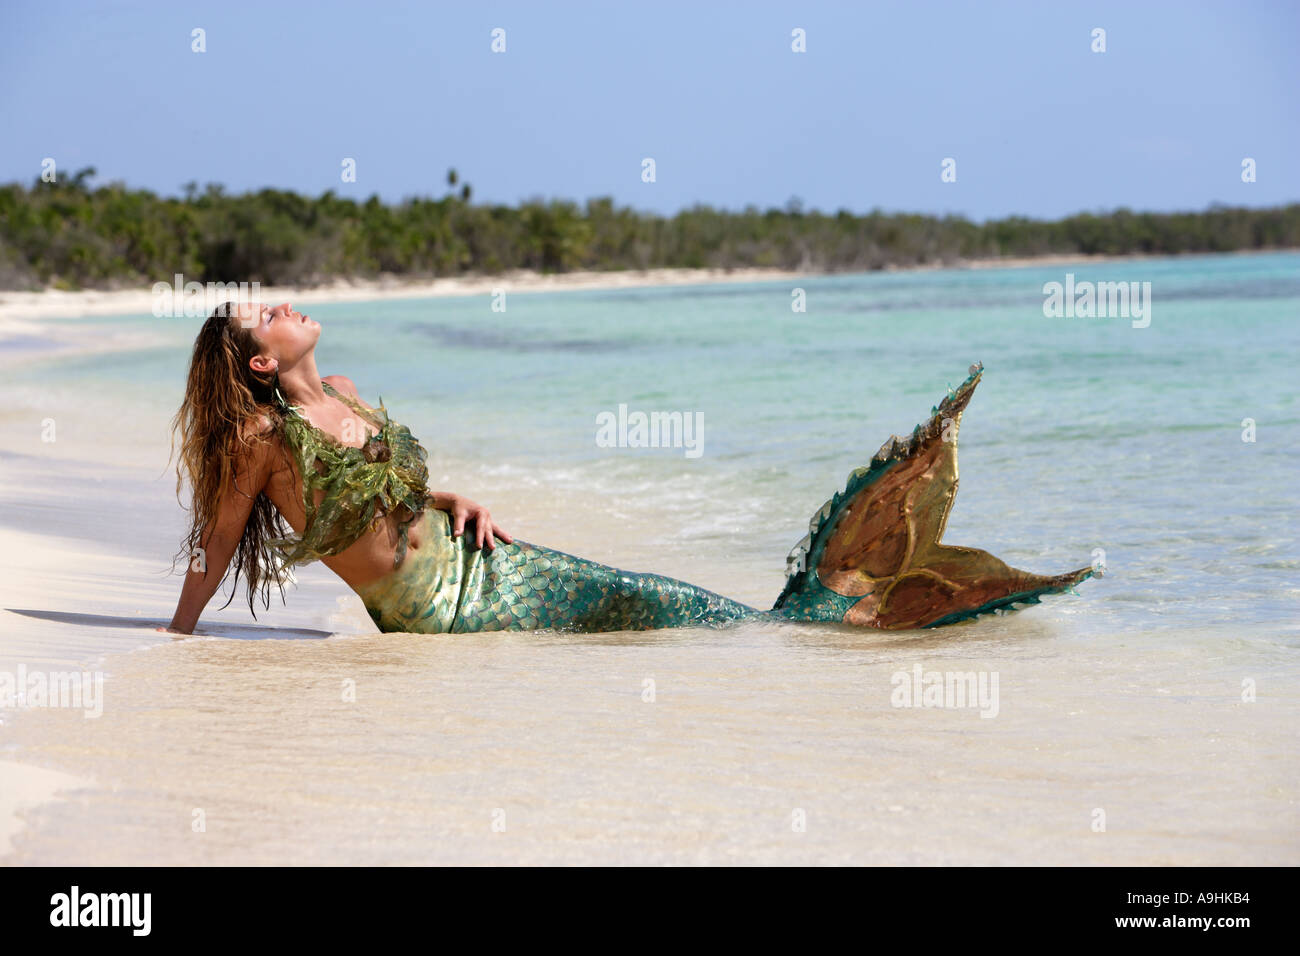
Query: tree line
(66,234)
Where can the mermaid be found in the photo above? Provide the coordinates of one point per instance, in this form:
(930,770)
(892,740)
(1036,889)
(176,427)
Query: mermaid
(267,442)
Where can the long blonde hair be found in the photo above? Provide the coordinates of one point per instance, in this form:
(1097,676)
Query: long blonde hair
(223,396)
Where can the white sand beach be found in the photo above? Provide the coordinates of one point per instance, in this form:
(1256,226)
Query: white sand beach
(19,308)
(16,306)
(25,787)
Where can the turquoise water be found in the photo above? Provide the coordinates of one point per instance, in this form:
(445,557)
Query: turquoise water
(1084,434)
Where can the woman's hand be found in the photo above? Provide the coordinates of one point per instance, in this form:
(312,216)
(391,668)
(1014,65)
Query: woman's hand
(461,509)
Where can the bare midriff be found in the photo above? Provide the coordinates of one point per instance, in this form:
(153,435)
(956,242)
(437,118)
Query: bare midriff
(370,557)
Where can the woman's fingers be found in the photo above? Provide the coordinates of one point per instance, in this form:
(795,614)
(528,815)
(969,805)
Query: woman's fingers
(486,531)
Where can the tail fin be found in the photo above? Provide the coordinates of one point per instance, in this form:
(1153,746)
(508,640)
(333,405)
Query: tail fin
(872,555)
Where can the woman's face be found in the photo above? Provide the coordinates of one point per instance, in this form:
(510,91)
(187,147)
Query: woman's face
(284,336)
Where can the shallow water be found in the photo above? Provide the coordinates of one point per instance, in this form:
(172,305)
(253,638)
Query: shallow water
(1084,434)
(555,738)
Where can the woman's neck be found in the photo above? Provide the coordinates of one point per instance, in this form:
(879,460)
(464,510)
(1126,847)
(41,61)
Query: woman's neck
(301,385)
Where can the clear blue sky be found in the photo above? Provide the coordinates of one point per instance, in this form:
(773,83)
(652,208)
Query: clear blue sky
(1039,124)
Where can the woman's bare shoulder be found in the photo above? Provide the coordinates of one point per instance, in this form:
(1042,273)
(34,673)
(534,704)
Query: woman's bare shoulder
(257,453)
(258,427)
(344,385)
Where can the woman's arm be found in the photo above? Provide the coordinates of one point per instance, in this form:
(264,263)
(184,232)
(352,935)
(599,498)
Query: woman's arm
(221,538)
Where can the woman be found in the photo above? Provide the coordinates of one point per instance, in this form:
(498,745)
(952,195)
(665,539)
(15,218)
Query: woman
(265,440)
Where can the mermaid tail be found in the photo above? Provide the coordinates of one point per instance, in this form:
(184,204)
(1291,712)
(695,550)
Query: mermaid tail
(872,558)
(873,555)
(446,586)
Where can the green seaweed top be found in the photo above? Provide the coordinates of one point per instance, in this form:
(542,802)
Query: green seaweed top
(361,484)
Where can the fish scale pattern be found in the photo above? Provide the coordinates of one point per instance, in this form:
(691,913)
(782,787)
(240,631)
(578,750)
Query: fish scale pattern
(448,586)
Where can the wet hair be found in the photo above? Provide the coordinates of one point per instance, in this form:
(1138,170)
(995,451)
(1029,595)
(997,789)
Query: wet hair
(224,401)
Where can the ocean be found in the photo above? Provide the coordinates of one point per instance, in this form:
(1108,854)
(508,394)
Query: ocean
(1148,719)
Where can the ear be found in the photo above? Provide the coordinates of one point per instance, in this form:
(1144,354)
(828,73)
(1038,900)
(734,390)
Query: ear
(261,364)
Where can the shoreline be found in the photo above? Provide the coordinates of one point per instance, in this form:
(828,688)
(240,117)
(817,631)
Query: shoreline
(18,307)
